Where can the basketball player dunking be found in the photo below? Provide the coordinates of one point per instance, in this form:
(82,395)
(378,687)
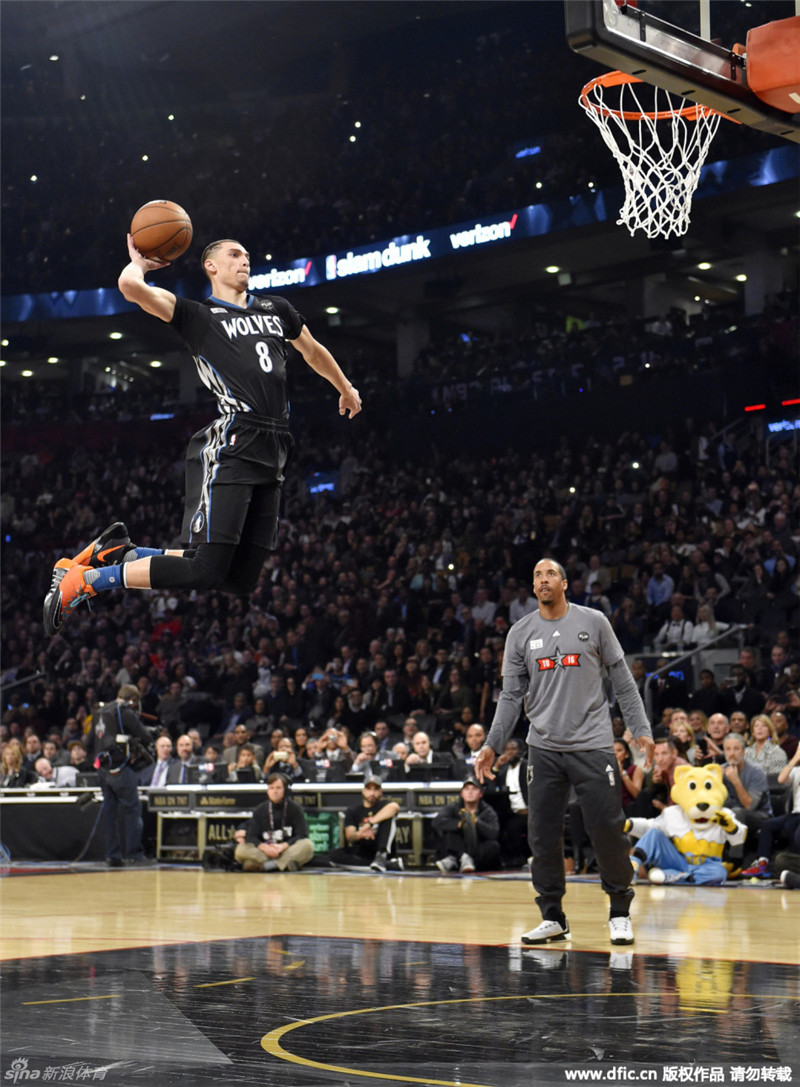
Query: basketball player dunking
(234,466)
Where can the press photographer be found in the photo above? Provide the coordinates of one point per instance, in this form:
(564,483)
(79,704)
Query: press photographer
(119,745)
(276,838)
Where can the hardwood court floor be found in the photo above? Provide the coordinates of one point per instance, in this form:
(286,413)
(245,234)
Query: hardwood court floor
(151,977)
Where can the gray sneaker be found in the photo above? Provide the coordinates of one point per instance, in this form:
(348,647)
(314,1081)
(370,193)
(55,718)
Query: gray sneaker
(466,863)
(447,864)
(379,864)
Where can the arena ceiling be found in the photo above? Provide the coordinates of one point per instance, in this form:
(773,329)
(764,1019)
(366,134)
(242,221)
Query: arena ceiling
(602,265)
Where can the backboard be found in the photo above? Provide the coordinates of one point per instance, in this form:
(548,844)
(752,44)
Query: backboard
(633,40)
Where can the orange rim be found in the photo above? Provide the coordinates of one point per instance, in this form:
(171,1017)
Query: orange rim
(617,79)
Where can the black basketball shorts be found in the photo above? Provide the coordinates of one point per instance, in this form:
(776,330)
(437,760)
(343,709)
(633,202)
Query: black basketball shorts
(234,471)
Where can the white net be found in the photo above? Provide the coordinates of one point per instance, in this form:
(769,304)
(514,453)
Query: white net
(660,147)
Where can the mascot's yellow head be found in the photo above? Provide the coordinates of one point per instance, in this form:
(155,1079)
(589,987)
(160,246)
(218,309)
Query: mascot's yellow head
(700,791)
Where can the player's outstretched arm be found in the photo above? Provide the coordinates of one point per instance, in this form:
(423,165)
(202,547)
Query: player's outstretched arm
(322,362)
(154,300)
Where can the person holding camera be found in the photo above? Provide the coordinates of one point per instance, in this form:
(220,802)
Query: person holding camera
(116,733)
(276,838)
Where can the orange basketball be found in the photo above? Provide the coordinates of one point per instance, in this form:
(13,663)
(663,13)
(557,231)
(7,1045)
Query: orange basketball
(161,230)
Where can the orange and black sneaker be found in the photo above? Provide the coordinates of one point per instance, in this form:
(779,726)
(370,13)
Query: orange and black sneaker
(51,610)
(110,547)
(71,590)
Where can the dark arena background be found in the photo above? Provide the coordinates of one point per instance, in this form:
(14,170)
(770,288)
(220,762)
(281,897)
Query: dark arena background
(420,182)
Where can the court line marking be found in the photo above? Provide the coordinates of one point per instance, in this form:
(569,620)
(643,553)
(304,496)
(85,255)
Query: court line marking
(70,999)
(271,1042)
(232,981)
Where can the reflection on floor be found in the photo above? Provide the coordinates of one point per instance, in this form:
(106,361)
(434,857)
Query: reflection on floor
(296,1011)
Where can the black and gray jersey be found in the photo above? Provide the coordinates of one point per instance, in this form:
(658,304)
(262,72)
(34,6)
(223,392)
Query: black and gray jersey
(240,352)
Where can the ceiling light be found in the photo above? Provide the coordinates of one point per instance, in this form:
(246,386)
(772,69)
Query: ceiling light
(357,124)
(53,57)
(145,158)
(704,265)
(539,185)
(53,358)
(3,343)
(552,269)
(34,178)
(697,298)
(27,373)
(115,335)
(2,362)
(331,309)
(352,139)
(156,363)
(170,116)
(741,278)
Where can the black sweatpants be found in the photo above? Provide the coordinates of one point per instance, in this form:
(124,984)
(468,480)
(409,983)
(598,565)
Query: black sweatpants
(595,778)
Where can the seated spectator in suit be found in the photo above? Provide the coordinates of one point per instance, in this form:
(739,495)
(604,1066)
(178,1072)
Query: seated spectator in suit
(367,754)
(509,798)
(179,773)
(473,742)
(245,770)
(155,776)
(328,759)
(748,789)
(276,837)
(241,735)
(56,776)
(384,736)
(369,831)
(425,764)
(467,832)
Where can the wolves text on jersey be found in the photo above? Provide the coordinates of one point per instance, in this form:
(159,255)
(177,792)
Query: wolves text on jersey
(254,324)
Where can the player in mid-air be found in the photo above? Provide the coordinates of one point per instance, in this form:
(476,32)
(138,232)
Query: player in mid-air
(554,663)
(234,466)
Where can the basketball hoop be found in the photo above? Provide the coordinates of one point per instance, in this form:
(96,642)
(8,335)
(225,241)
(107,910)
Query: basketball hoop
(660,151)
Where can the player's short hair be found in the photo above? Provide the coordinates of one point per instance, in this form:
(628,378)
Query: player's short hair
(562,572)
(210,250)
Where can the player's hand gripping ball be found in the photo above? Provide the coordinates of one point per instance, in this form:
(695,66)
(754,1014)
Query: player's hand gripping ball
(161,230)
